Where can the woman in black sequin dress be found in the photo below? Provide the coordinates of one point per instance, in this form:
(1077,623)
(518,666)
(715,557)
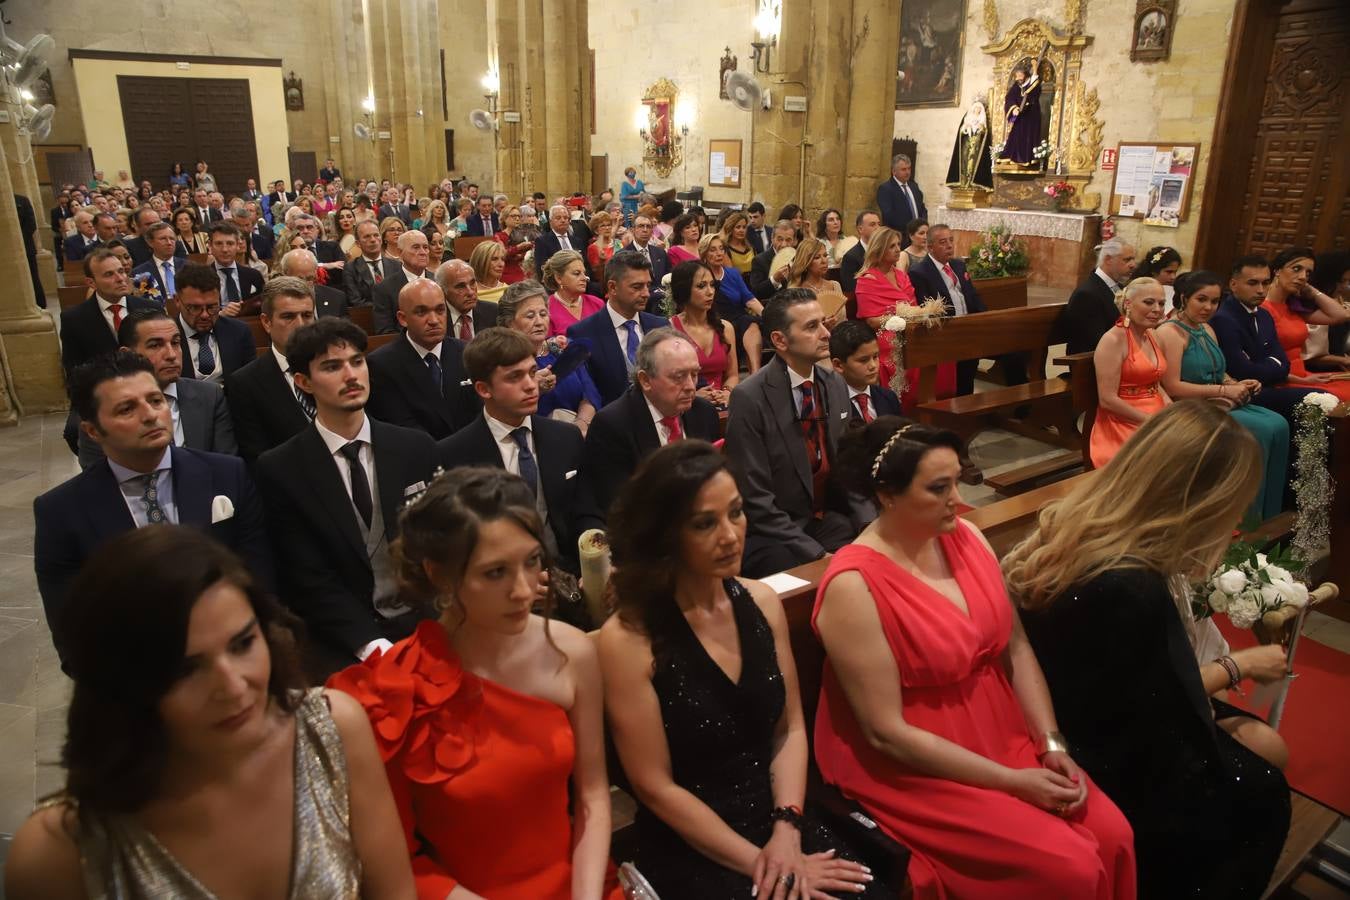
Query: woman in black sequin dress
(708,725)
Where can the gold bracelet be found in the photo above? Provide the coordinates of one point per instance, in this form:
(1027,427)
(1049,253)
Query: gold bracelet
(1051,742)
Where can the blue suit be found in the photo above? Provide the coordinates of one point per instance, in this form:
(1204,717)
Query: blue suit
(1251,349)
(608,365)
(234,340)
(76,517)
(896,211)
(883,401)
(152,268)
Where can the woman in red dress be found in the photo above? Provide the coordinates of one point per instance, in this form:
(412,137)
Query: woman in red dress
(515,251)
(1294,304)
(933,710)
(487,716)
(881,285)
(1130,366)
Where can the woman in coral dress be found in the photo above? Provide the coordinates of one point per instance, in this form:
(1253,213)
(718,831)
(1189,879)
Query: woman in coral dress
(565,275)
(486,717)
(1130,366)
(933,711)
(879,288)
(1294,304)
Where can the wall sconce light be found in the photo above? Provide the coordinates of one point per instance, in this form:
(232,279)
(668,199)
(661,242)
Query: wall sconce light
(368,104)
(767,23)
(640,121)
(491,81)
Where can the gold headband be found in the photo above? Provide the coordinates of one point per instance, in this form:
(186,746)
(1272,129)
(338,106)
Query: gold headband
(886,448)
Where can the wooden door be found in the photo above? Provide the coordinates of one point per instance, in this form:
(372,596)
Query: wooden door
(222,118)
(70,167)
(304,164)
(1280,135)
(599,174)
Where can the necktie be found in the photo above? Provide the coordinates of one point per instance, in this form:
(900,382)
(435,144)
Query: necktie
(306,402)
(947,268)
(861,400)
(169,289)
(672,424)
(809,424)
(434,366)
(465,327)
(487,225)
(116,310)
(231,286)
(360,484)
(150,497)
(632,347)
(206,360)
(529,471)
(564,243)
(376,270)
(909,198)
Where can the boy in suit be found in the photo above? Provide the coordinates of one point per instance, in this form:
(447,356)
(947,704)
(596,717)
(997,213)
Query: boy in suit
(855,356)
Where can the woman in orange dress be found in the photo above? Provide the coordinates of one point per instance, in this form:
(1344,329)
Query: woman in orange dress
(934,714)
(1294,304)
(881,285)
(1130,367)
(486,716)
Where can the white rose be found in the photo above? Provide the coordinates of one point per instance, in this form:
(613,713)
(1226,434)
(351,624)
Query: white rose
(1294,593)
(1230,582)
(1218,601)
(1270,597)
(1243,611)
(894,324)
(1278,574)
(1327,402)
(1261,561)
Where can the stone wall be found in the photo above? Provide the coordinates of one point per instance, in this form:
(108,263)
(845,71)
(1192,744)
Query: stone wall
(1174,100)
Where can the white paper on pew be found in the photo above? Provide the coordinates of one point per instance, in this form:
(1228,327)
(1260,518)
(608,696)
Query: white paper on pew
(783,582)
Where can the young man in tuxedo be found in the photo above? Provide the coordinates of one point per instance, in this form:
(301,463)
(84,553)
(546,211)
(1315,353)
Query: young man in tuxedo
(201,418)
(783,431)
(545,453)
(163,265)
(660,407)
(615,332)
(866,223)
(417,380)
(414,252)
(333,495)
(368,271)
(240,286)
(1092,308)
(759,233)
(856,358)
(216,346)
(143,479)
(265,404)
(900,199)
(468,314)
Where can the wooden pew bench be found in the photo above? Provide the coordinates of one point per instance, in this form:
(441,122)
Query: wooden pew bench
(1049,401)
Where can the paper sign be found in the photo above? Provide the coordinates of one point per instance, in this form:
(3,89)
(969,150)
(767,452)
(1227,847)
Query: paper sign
(783,582)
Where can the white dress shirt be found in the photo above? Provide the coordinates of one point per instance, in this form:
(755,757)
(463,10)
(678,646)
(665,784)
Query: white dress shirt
(506,444)
(953,287)
(620,330)
(456,317)
(1107,280)
(133,490)
(105,307)
(171,394)
(412,277)
(564,242)
(335,442)
(854,394)
(193,345)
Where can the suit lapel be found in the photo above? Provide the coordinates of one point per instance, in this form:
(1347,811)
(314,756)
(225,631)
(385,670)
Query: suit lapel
(644,429)
(192,414)
(389,481)
(321,470)
(782,406)
(191,488)
(834,403)
(107,509)
(550,475)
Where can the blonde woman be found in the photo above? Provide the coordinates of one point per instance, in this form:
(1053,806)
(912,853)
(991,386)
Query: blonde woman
(1130,367)
(1103,585)
(288,241)
(437,217)
(488,260)
(568,302)
(810,267)
(735,229)
(391,229)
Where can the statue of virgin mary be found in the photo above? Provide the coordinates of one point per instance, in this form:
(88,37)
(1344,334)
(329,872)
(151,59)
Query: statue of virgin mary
(971,165)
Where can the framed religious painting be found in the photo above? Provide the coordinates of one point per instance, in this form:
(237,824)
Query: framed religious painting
(1154,22)
(932,34)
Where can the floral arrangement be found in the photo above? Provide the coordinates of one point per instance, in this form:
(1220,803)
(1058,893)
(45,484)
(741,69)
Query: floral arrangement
(1041,150)
(998,254)
(556,344)
(146,287)
(1248,584)
(1313,484)
(1061,192)
(927,314)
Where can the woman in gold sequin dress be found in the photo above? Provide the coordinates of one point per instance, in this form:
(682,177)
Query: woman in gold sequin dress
(196,767)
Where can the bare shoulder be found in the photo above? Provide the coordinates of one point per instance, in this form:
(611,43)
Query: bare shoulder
(348,713)
(974,529)
(765,597)
(571,640)
(44,860)
(622,647)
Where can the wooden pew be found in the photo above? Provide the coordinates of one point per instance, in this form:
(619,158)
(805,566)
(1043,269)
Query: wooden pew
(363,317)
(261,339)
(72,295)
(1024,330)
(1083,385)
(463,246)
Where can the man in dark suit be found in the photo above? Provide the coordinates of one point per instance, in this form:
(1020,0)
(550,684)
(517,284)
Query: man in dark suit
(280,194)
(759,232)
(201,419)
(783,431)
(560,235)
(83,240)
(483,221)
(240,286)
(855,356)
(266,406)
(216,346)
(415,254)
(328,253)
(329,171)
(660,407)
(163,265)
(258,241)
(136,245)
(28,228)
(1092,307)
(468,314)
(395,208)
(302,264)
(251,191)
(642,236)
(90,329)
(899,198)
(614,333)
(367,272)
(417,380)
(144,479)
(1246,333)
(866,224)
(206,214)
(333,494)
(546,454)
(763,283)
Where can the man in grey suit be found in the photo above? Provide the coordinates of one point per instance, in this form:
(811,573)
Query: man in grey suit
(783,429)
(201,419)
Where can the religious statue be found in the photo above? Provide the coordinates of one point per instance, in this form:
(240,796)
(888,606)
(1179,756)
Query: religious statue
(1022,106)
(971,166)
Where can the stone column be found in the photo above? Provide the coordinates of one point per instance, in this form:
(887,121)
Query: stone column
(23,177)
(871,108)
(30,354)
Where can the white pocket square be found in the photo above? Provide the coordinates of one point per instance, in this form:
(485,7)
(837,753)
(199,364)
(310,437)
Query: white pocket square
(414,488)
(221,508)
(467,382)
(569,475)
(843,415)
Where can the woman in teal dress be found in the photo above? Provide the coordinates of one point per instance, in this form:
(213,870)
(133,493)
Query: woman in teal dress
(1195,368)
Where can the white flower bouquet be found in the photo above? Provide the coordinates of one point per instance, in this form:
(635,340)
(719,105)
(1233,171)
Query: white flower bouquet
(1324,401)
(927,314)
(1248,584)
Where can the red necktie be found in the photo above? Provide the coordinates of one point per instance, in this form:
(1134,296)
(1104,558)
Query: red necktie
(947,267)
(116,310)
(672,424)
(810,425)
(861,400)
(465,328)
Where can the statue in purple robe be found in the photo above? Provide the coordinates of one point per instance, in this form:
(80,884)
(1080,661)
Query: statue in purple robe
(1022,107)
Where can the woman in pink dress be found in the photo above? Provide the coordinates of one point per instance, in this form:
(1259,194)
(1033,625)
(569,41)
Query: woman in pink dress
(1294,304)
(1130,366)
(568,302)
(684,240)
(881,285)
(694,291)
(934,714)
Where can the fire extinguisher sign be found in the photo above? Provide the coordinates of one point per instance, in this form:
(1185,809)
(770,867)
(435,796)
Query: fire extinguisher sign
(1108,160)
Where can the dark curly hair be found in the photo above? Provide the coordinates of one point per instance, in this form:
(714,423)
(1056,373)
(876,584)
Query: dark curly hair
(860,447)
(138,590)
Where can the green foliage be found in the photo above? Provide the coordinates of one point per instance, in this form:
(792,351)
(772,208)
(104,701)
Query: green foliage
(998,254)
